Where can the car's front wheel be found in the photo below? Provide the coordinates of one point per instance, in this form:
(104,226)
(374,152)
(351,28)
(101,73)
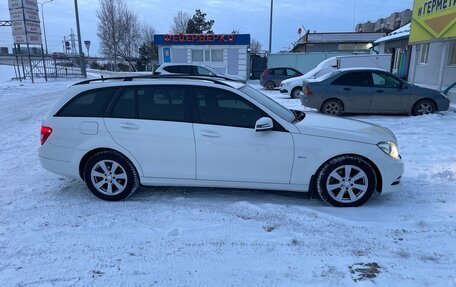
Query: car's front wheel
(332,108)
(346,181)
(296,92)
(424,107)
(111,176)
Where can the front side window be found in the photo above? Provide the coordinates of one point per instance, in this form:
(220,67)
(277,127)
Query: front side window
(385,81)
(292,73)
(424,53)
(203,71)
(162,103)
(220,107)
(89,104)
(358,79)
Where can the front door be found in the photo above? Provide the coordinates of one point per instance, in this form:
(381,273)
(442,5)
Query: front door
(389,96)
(227,146)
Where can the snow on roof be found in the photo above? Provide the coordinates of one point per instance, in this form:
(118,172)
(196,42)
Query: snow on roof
(402,32)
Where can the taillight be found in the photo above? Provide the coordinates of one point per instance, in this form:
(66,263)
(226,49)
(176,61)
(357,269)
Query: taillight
(265,73)
(308,91)
(45,133)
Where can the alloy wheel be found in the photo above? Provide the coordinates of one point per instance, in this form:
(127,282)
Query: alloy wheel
(109,177)
(347,184)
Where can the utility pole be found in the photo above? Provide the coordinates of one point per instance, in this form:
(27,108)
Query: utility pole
(81,53)
(44,26)
(270,27)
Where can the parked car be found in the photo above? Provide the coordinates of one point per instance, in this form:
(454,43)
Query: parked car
(293,86)
(121,133)
(370,91)
(271,78)
(194,70)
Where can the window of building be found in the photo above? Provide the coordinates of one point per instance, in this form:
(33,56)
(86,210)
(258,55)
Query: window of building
(453,53)
(197,55)
(89,104)
(217,55)
(424,53)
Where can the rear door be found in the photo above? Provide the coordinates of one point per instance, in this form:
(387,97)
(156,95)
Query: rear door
(355,91)
(278,75)
(154,124)
(388,94)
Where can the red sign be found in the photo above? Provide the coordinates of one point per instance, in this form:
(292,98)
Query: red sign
(201,38)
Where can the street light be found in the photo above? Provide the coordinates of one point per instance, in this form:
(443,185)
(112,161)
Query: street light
(44,26)
(270,27)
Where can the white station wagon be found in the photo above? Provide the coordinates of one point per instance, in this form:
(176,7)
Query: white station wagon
(119,133)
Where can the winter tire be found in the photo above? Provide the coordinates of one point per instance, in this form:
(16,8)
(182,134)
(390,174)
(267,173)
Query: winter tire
(269,85)
(111,176)
(424,107)
(332,108)
(295,93)
(346,181)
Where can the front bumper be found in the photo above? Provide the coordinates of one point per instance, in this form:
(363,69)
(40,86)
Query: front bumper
(391,171)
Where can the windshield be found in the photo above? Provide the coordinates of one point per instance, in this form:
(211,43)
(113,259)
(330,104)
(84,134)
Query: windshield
(269,103)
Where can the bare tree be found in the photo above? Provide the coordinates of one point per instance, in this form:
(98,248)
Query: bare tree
(180,22)
(255,46)
(109,15)
(119,31)
(130,37)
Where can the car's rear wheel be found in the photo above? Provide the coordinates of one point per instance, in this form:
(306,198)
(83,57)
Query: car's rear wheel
(332,108)
(111,176)
(269,85)
(346,181)
(296,92)
(424,107)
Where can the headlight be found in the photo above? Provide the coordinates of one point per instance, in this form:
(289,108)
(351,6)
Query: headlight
(390,149)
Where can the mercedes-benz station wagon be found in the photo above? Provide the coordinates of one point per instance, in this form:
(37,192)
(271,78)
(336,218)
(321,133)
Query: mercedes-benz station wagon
(118,134)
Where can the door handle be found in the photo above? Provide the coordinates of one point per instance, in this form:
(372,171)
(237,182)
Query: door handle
(347,89)
(129,126)
(380,91)
(209,134)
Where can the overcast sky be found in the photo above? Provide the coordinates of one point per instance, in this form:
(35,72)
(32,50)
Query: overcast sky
(250,17)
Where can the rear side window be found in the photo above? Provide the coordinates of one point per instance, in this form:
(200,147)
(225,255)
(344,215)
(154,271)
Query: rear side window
(162,103)
(358,79)
(172,69)
(278,72)
(89,104)
(125,106)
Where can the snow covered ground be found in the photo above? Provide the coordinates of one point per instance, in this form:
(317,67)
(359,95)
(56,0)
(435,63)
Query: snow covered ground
(54,233)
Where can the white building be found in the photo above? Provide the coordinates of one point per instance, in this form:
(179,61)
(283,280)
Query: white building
(225,52)
(433,41)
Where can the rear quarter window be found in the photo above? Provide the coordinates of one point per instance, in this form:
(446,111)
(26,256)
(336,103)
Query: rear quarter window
(91,103)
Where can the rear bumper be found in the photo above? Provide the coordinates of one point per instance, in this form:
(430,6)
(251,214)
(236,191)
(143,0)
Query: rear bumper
(60,167)
(310,101)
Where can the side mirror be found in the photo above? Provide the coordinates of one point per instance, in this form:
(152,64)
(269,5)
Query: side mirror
(264,124)
(403,86)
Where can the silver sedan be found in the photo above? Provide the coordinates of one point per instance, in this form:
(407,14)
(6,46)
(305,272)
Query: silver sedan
(370,91)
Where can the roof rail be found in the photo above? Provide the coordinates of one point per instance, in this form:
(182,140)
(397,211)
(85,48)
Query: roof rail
(214,79)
